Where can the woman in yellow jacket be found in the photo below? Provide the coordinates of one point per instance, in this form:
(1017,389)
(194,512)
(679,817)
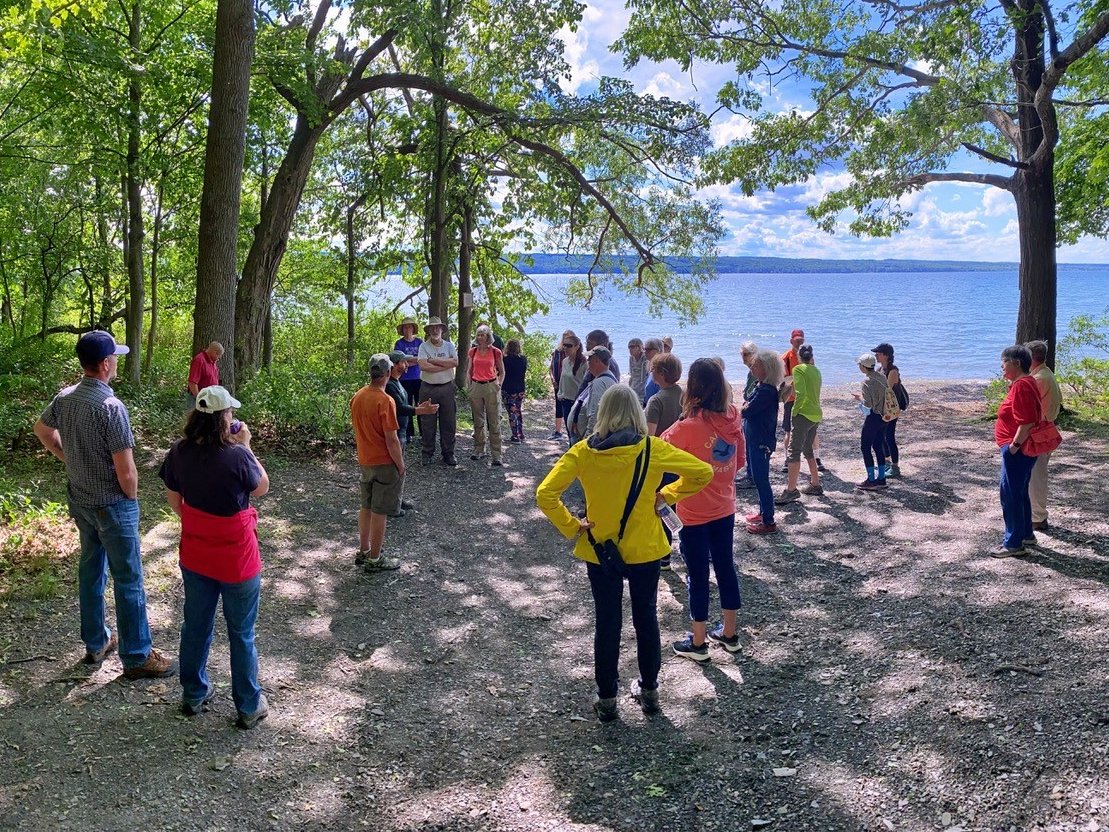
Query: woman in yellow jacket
(605,464)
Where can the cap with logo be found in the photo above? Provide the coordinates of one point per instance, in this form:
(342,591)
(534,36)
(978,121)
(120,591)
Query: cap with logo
(868,360)
(600,353)
(93,347)
(214,399)
(797,333)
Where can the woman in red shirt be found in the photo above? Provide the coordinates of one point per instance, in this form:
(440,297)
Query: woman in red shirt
(1018,414)
(210,476)
(486,374)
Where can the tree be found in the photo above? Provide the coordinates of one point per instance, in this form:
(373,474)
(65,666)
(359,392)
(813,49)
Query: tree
(902,91)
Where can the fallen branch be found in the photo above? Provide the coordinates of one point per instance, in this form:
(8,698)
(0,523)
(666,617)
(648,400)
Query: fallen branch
(36,658)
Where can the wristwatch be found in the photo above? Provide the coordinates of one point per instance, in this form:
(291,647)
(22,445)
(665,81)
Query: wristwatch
(1015,445)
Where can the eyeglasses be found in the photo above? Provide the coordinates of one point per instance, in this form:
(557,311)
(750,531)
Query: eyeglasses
(567,346)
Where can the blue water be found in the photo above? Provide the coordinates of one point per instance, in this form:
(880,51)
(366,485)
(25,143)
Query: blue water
(943,325)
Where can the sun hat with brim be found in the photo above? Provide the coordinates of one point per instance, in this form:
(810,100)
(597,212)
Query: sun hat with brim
(407,322)
(868,360)
(396,356)
(433,321)
(380,365)
(93,347)
(214,399)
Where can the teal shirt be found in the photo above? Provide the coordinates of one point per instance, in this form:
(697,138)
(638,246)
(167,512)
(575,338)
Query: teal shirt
(806,386)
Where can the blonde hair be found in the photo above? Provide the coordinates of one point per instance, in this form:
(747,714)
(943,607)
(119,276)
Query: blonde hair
(620,408)
(772,364)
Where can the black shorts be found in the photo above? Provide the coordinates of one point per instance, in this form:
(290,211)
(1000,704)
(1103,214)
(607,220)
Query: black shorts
(787,417)
(562,408)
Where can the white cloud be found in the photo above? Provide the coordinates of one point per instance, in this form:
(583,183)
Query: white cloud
(582,69)
(819,186)
(731,129)
(664,85)
(997,202)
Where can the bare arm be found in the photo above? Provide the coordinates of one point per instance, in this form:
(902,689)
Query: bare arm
(126,472)
(174,500)
(194,388)
(243,438)
(500,370)
(50,439)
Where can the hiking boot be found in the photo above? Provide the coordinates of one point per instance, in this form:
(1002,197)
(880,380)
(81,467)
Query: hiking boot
(605,709)
(894,471)
(762,528)
(496,463)
(516,439)
(360,557)
(787,496)
(1040,526)
(474,457)
(869,485)
(689,650)
(754,518)
(196,708)
(156,666)
(1003,552)
(880,482)
(665,564)
(647,698)
(554,437)
(450,460)
(382,563)
(1029,542)
(731,644)
(98,656)
(744,483)
(813,490)
(400,512)
(248,721)
(406,505)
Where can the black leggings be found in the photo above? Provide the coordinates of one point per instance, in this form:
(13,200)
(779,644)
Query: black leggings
(891,441)
(874,440)
(412,385)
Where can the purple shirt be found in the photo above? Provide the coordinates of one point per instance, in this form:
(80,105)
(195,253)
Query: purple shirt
(411,348)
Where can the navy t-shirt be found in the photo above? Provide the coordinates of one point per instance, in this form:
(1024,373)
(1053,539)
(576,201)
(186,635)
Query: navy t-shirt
(214,480)
(515,374)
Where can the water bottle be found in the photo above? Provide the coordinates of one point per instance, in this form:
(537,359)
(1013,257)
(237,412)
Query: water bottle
(236,426)
(669,517)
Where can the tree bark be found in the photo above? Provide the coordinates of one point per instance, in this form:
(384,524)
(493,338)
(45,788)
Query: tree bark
(437,214)
(216,276)
(352,283)
(136,301)
(271,237)
(465,287)
(155,250)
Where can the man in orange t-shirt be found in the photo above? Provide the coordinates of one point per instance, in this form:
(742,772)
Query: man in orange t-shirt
(790,359)
(373,413)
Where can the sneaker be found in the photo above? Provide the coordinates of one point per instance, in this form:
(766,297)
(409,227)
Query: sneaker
(744,483)
(665,564)
(383,563)
(762,528)
(754,518)
(196,708)
(1029,542)
(731,644)
(450,460)
(515,440)
(686,648)
(496,463)
(787,496)
(400,512)
(156,666)
(894,471)
(813,490)
(1040,526)
(248,721)
(1003,552)
(820,466)
(554,437)
(605,709)
(361,556)
(474,457)
(869,485)
(880,482)
(98,656)
(647,698)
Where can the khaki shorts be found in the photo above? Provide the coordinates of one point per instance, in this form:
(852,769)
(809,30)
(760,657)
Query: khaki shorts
(801,439)
(381,488)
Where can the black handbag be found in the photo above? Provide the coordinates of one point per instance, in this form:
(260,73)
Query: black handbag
(608,552)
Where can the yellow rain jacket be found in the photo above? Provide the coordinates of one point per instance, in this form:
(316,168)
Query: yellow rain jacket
(606,478)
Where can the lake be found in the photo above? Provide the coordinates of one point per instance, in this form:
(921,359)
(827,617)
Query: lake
(943,325)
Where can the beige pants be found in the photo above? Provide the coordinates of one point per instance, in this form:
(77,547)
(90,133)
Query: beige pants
(1037,489)
(485,403)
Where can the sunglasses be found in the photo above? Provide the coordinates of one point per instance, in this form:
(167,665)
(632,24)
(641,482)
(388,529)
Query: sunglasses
(567,346)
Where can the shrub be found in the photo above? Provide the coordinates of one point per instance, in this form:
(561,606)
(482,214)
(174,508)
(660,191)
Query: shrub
(36,538)
(1082,366)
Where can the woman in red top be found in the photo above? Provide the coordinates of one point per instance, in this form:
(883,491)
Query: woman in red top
(210,476)
(1018,414)
(486,374)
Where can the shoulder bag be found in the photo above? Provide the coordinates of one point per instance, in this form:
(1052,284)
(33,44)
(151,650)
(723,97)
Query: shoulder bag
(607,551)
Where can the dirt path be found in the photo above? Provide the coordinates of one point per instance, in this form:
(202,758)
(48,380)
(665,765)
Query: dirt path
(893,676)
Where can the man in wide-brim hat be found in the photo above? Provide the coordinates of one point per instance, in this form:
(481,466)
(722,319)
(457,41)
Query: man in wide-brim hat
(438,359)
(409,344)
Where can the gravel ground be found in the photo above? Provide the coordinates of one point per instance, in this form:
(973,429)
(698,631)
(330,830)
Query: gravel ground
(893,676)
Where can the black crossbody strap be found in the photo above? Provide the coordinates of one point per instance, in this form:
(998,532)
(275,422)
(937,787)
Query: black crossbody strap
(639,478)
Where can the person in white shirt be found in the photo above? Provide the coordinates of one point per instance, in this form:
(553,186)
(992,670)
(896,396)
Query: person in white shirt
(438,359)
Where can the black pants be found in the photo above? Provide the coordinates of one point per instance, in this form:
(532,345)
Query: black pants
(608,600)
(873,441)
(446,420)
(891,442)
(412,387)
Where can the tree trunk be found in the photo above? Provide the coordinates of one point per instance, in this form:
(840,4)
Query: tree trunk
(267,338)
(352,283)
(106,300)
(136,282)
(155,250)
(465,293)
(439,259)
(255,292)
(216,275)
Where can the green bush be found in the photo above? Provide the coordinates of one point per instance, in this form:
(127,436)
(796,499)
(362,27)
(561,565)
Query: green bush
(537,348)
(31,372)
(1082,367)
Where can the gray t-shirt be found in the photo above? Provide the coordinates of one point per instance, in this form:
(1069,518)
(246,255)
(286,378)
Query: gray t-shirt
(93,425)
(597,388)
(664,408)
(444,350)
(569,382)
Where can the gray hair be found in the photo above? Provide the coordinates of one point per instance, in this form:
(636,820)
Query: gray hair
(620,408)
(772,365)
(748,348)
(1038,350)
(653,344)
(635,342)
(483,330)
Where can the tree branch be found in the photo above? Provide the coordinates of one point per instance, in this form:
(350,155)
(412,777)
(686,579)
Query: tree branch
(993,157)
(317,24)
(922,179)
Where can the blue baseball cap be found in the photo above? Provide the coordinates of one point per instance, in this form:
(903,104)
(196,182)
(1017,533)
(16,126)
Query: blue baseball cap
(93,347)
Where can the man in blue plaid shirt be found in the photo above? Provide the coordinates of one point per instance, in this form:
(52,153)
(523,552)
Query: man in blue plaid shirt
(88,429)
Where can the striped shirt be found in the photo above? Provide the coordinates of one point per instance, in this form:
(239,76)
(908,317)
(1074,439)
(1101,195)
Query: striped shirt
(93,425)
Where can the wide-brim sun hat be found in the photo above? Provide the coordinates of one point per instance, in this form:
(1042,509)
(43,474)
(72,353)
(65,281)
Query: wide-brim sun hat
(434,321)
(409,321)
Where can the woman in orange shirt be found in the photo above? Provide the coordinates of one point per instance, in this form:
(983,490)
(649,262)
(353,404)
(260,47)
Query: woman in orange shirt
(485,374)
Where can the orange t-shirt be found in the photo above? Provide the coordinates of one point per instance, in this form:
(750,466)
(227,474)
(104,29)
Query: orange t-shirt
(373,414)
(790,359)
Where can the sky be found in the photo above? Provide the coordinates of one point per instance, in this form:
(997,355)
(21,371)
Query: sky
(951,221)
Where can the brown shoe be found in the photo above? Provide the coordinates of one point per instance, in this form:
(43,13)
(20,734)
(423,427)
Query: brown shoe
(98,656)
(155,667)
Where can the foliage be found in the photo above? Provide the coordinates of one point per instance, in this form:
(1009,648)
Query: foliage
(30,374)
(537,348)
(1083,367)
(36,537)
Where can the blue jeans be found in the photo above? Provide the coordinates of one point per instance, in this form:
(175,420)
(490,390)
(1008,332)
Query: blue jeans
(1016,507)
(110,542)
(701,544)
(758,466)
(608,600)
(240,611)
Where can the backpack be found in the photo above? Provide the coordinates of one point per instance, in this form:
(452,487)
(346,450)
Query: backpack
(902,395)
(575,423)
(890,409)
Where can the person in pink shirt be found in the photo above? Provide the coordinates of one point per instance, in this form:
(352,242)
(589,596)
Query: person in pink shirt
(204,370)
(711,429)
